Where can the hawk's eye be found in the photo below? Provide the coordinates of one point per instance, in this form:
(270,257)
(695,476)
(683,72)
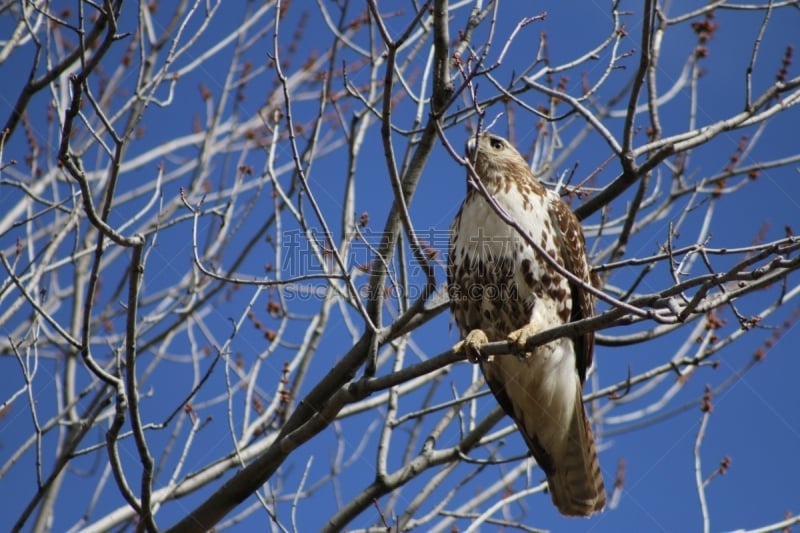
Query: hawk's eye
(497,144)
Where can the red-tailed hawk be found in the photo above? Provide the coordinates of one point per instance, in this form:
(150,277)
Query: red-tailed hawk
(501,288)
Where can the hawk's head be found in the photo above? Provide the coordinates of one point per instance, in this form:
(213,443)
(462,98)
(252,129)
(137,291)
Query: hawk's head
(495,160)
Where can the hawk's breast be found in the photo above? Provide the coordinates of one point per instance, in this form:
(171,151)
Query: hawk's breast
(496,279)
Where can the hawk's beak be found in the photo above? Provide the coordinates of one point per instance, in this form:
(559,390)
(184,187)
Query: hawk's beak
(472,144)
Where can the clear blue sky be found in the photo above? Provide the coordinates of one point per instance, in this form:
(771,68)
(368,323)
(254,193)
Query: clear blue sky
(755,421)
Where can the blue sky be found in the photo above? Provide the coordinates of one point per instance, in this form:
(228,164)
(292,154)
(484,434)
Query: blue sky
(755,421)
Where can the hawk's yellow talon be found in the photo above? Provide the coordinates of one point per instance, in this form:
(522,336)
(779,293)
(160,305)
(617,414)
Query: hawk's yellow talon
(471,346)
(519,338)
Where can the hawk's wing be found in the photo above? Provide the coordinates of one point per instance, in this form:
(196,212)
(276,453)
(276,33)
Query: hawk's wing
(572,249)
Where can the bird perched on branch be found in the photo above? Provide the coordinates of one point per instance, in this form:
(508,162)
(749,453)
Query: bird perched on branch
(502,288)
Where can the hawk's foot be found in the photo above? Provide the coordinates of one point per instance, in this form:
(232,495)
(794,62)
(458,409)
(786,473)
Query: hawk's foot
(519,338)
(471,346)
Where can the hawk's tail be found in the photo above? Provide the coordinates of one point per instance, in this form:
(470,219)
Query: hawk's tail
(576,485)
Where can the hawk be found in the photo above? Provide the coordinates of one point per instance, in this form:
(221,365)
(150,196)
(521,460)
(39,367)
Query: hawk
(501,288)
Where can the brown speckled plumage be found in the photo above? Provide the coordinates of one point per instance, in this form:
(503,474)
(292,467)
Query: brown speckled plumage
(499,284)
